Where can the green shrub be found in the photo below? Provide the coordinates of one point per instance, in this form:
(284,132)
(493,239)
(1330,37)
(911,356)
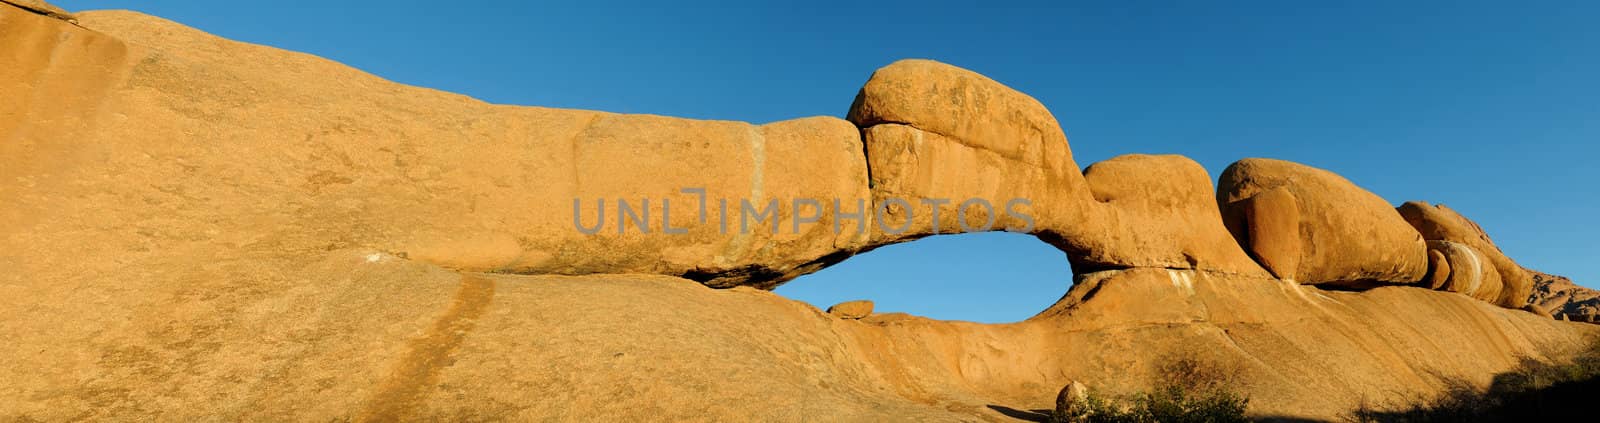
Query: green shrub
(1167,405)
(1189,390)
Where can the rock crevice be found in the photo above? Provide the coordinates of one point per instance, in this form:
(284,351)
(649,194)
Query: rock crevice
(43,8)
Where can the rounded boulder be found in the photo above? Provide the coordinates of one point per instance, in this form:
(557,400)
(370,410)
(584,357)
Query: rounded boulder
(1316,227)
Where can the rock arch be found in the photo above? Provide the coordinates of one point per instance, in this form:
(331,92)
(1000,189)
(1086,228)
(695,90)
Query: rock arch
(920,140)
(473,186)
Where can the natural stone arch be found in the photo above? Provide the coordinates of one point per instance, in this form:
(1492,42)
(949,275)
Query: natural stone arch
(918,131)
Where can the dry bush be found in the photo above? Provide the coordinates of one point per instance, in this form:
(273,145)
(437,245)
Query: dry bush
(1533,391)
(1188,388)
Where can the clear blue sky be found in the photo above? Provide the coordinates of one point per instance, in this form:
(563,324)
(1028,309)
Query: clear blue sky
(1489,107)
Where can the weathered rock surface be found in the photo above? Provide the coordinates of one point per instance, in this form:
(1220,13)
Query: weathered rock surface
(1470,272)
(967,108)
(43,8)
(356,334)
(1557,295)
(1438,270)
(198,229)
(937,132)
(919,194)
(360,166)
(1538,311)
(1440,223)
(1346,235)
(1269,223)
(851,309)
(1158,211)
(356,160)
(1072,404)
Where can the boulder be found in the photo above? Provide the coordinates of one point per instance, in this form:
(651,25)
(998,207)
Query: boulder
(1072,404)
(1345,235)
(924,183)
(965,107)
(937,136)
(1438,269)
(1470,271)
(851,309)
(1271,228)
(1440,223)
(1158,211)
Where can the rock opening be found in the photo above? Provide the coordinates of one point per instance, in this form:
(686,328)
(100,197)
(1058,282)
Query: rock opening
(989,277)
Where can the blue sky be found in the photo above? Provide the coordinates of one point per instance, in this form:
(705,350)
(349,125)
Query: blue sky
(1489,107)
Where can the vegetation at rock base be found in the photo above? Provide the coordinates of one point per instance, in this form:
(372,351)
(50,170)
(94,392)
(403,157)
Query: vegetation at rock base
(1169,404)
(1534,391)
(1193,390)
(1188,390)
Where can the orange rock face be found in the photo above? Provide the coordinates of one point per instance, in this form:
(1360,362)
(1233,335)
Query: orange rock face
(1469,271)
(1344,235)
(936,132)
(1440,223)
(201,229)
(1438,269)
(1559,297)
(40,7)
(851,309)
(1270,225)
(1158,211)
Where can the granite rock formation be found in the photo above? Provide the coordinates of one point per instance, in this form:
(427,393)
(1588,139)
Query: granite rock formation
(1315,227)
(1562,299)
(40,7)
(202,229)
(1440,223)
(851,309)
